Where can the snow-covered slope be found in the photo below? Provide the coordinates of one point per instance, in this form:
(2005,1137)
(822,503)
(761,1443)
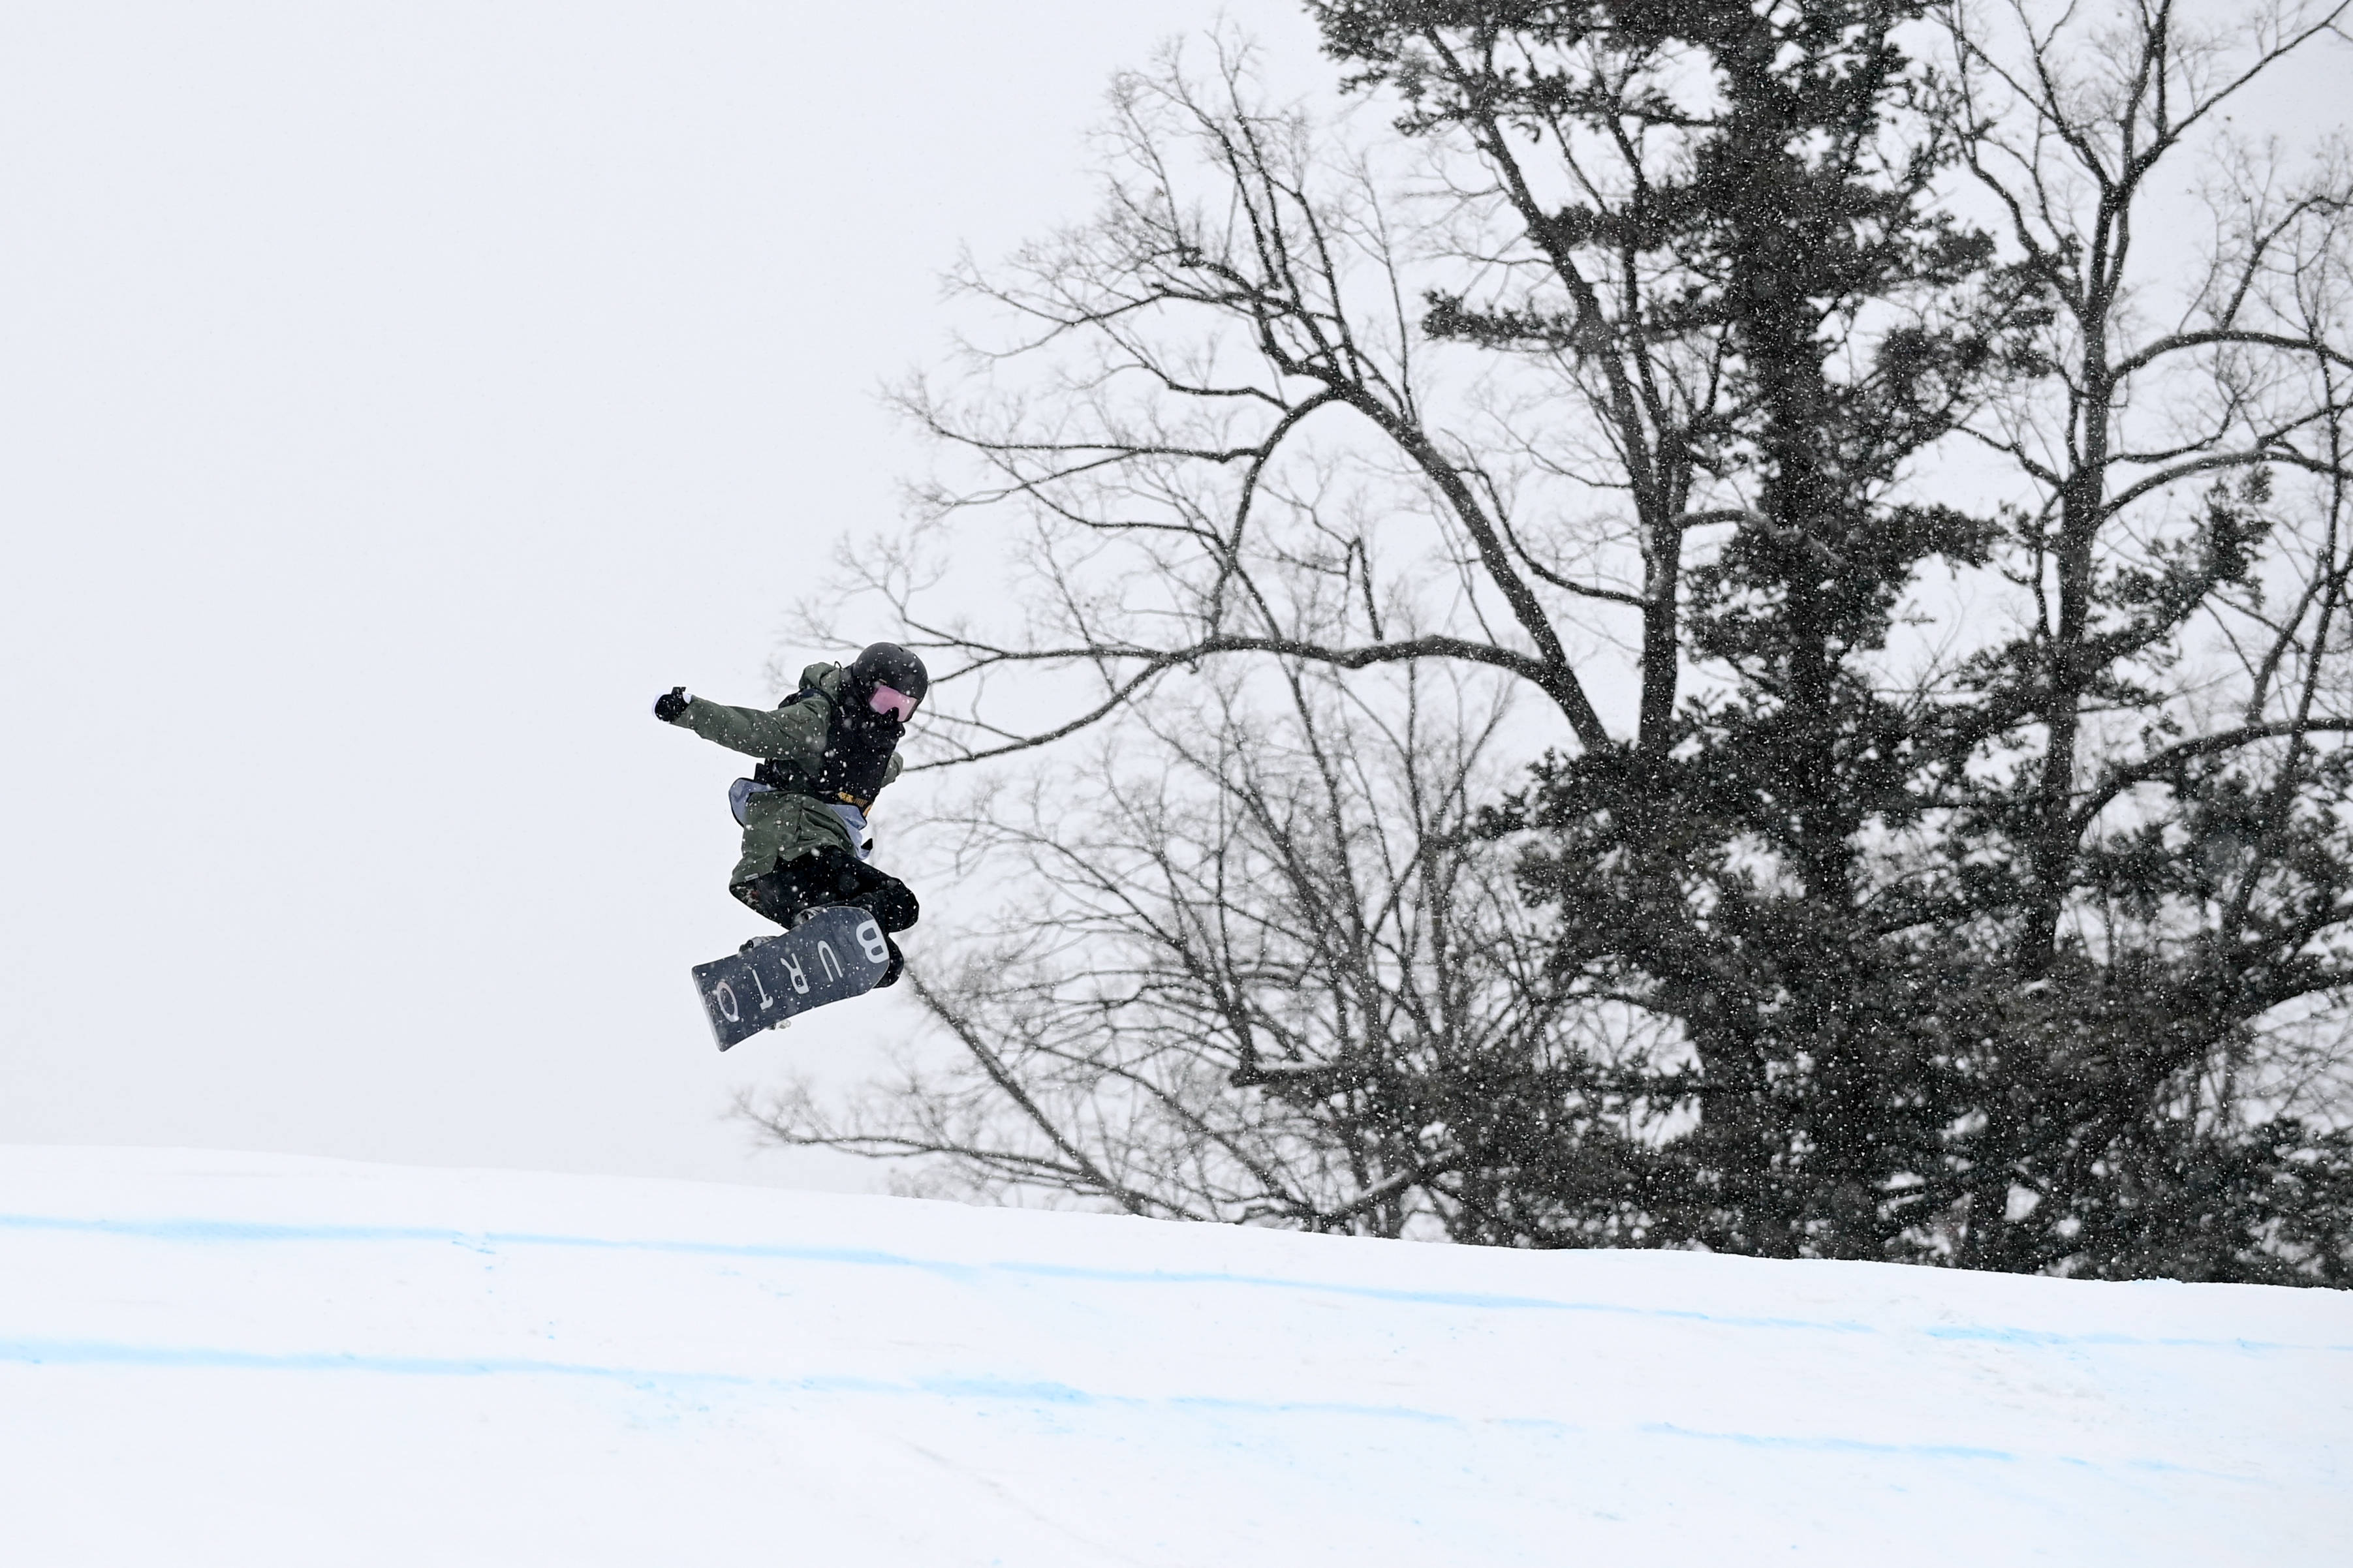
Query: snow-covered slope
(250,1360)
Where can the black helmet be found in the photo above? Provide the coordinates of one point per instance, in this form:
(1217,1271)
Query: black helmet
(888,664)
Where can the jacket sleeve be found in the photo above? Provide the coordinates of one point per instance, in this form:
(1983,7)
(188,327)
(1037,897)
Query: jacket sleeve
(793,734)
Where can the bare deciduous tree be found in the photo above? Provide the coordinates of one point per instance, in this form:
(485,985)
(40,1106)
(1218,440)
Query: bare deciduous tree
(1941,626)
(1274,892)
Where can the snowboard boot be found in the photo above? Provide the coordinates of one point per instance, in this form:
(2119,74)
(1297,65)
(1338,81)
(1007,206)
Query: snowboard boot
(797,919)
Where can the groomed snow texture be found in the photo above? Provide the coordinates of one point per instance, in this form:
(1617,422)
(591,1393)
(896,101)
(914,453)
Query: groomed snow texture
(257,1360)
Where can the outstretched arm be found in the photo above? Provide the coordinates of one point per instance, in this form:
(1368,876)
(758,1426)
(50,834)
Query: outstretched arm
(793,734)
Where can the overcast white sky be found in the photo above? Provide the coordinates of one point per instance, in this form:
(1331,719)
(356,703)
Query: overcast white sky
(393,397)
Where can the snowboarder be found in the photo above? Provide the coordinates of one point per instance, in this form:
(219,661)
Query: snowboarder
(825,753)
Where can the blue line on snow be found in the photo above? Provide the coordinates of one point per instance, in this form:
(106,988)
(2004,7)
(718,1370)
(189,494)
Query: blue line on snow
(100,1352)
(103,1353)
(212,1231)
(1835,1444)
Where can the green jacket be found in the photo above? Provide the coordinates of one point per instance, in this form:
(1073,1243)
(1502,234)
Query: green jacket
(785,823)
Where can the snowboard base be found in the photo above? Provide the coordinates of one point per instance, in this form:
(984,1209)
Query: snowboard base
(833,956)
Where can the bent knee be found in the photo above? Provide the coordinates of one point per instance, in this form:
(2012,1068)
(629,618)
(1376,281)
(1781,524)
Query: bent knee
(896,907)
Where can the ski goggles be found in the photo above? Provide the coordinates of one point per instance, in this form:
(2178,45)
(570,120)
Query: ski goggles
(897,704)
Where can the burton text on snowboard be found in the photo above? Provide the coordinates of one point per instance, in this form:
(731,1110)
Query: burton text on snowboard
(833,956)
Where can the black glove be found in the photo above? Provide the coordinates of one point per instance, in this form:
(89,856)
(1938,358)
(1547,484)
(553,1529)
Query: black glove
(670,704)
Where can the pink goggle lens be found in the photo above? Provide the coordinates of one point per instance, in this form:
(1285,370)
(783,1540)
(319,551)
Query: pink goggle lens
(898,704)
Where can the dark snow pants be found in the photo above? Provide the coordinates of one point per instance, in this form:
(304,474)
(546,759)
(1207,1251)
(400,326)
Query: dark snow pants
(828,875)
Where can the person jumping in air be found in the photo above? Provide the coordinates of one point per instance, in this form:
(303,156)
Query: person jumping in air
(825,753)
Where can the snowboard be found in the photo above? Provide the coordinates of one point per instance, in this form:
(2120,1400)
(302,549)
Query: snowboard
(833,956)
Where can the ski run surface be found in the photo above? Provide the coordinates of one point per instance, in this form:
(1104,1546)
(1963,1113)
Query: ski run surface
(210,1358)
